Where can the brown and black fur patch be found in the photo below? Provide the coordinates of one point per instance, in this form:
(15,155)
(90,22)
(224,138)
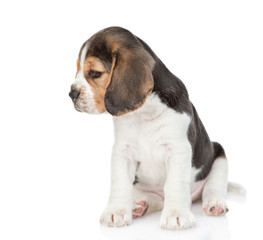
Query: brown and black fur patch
(130,67)
(130,84)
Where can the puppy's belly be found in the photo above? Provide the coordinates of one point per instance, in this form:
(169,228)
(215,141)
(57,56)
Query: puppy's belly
(152,179)
(196,189)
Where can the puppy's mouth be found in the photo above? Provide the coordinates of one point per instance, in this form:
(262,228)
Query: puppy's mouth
(77,107)
(80,105)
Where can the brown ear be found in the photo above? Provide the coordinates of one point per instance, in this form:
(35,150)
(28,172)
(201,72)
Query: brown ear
(131,81)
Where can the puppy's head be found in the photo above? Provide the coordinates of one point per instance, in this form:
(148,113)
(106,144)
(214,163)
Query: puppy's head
(114,73)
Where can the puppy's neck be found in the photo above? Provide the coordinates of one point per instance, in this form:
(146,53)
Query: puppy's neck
(151,110)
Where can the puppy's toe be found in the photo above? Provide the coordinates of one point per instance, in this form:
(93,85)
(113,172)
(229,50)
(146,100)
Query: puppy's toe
(215,207)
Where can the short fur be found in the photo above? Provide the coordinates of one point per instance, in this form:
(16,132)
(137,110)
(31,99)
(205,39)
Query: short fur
(162,151)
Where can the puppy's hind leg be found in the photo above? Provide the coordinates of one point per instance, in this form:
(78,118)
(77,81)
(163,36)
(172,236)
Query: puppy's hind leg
(215,189)
(145,202)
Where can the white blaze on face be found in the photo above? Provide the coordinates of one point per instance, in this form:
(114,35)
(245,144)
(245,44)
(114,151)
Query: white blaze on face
(86,100)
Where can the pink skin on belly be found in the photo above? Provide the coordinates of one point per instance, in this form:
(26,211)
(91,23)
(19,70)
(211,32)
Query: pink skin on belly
(196,189)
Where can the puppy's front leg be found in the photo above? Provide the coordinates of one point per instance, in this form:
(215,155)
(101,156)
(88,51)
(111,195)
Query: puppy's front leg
(119,209)
(176,213)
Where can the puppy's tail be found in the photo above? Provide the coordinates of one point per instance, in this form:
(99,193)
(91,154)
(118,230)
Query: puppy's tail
(236,189)
(232,188)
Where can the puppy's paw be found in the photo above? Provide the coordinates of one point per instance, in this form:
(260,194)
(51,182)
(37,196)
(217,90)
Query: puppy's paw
(177,219)
(116,217)
(215,207)
(140,208)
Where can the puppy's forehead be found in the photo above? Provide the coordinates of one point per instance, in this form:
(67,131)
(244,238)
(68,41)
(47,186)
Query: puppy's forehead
(95,54)
(107,42)
(99,48)
(103,43)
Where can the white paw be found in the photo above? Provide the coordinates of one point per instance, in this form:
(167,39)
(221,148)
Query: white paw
(215,207)
(139,209)
(116,217)
(177,219)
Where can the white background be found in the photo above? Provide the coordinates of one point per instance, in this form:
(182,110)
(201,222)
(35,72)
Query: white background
(55,162)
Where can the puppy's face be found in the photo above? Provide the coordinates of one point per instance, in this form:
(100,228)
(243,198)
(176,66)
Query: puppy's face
(92,79)
(114,73)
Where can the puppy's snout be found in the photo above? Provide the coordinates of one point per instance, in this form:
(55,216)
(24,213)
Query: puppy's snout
(74,94)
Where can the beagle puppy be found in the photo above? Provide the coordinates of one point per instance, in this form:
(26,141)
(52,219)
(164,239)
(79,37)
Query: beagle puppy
(162,157)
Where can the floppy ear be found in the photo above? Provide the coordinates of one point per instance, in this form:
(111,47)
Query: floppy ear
(131,81)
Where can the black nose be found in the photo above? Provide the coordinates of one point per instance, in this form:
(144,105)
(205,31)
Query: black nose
(74,94)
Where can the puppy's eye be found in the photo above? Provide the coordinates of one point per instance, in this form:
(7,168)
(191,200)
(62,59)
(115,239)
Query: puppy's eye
(94,74)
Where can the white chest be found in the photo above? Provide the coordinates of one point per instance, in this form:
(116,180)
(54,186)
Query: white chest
(149,150)
(147,134)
